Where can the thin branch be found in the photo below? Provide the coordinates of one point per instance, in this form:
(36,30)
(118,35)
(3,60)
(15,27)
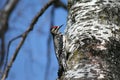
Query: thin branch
(2,54)
(8,47)
(10,5)
(25,34)
(59,3)
(4,18)
(48,64)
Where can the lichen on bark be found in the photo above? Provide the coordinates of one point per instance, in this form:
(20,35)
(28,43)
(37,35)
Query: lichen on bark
(92,40)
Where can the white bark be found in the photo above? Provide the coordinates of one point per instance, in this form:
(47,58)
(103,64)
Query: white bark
(93,40)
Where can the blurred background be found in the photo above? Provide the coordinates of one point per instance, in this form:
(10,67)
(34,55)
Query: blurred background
(36,59)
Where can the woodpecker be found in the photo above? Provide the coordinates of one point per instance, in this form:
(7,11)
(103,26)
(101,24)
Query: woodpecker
(58,46)
(58,40)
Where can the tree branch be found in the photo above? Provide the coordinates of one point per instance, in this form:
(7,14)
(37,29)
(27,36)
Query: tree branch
(10,5)
(4,18)
(48,64)
(58,3)
(24,35)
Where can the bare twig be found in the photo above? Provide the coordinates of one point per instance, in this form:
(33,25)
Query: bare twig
(2,54)
(8,47)
(10,5)
(24,35)
(58,3)
(48,64)
(4,18)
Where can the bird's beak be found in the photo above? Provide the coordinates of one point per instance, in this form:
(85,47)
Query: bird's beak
(61,26)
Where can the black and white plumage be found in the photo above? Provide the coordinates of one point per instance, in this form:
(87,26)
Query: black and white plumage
(58,40)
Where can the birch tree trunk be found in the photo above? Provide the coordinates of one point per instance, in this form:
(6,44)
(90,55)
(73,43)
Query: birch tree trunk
(92,43)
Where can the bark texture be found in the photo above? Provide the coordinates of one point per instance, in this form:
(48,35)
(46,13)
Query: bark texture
(92,42)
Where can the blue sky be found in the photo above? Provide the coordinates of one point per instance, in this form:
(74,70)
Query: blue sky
(31,60)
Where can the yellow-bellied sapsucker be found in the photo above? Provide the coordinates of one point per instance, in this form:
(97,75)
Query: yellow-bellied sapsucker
(58,40)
